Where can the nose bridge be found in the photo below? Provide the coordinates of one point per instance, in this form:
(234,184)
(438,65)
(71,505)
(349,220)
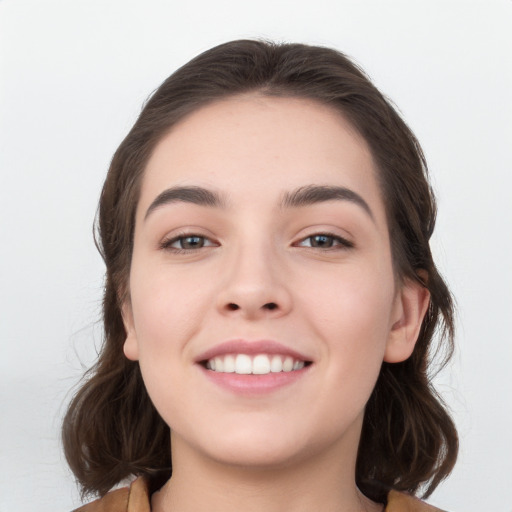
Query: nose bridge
(254,281)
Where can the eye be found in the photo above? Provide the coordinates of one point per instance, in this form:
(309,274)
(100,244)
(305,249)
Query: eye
(325,241)
(190,242)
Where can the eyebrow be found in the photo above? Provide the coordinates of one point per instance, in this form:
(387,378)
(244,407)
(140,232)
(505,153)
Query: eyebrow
(303,196)
(195,195)
(313,194)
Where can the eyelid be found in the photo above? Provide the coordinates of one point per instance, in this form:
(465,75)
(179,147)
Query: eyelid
(339,242)
(167,242)
(343,243)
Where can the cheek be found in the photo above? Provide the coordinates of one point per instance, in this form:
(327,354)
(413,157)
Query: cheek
(167,307)
(352,314)
(360,300)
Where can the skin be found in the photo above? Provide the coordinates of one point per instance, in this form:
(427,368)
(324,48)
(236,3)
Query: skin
(294,448)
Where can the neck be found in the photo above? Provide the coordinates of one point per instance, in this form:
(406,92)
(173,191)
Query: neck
(324,483)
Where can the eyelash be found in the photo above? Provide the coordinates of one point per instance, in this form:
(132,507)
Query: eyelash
(338,243)
(167,243)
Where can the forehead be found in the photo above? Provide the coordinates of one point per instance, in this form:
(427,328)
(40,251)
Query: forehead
(260,146)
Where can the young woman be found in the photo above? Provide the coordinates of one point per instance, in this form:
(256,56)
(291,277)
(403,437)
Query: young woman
(270,298)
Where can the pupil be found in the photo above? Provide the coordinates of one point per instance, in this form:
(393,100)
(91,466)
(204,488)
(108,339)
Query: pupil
(322,241)
(192,242)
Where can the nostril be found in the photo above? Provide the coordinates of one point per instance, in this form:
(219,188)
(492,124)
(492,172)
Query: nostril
(270,306)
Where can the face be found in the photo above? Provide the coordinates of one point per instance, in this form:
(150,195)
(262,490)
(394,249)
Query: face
(262,294)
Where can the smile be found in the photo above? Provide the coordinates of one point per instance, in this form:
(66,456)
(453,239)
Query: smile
(259,364)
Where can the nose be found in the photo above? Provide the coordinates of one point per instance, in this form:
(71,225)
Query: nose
(255,285)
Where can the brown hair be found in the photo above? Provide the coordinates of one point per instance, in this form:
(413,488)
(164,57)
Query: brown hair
(112,430)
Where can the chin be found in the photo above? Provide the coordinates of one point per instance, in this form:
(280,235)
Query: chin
(267,447)
(255,446)
(257,457)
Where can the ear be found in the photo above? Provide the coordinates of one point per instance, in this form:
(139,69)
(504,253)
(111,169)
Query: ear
(131,345)
(410,306)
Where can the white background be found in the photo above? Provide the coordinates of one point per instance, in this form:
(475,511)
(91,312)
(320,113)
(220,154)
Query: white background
(73,75)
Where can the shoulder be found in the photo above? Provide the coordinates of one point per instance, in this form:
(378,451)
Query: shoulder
(128,499)
(400,502)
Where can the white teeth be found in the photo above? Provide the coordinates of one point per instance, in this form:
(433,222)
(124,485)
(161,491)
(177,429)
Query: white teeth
(219,364)
(288,364)
(229,364)
(276,364)
(261,364)
(243,364)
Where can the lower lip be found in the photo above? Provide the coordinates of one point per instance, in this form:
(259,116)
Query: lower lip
(254,384)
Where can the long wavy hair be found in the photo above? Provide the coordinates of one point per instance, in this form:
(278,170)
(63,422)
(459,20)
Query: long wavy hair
(408,442)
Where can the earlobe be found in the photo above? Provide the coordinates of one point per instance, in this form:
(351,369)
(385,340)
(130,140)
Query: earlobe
(131,346)
(410,308)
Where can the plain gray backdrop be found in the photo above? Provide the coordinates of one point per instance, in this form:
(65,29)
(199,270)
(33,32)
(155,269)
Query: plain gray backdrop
(73,76)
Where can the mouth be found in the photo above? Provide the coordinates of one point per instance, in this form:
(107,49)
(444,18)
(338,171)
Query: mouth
(257,364)
(253,367)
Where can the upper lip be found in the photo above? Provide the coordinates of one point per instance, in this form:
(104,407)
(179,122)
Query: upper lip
(240,346)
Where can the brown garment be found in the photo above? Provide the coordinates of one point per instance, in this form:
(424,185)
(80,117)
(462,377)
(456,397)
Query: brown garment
(128,499)
(136,499)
